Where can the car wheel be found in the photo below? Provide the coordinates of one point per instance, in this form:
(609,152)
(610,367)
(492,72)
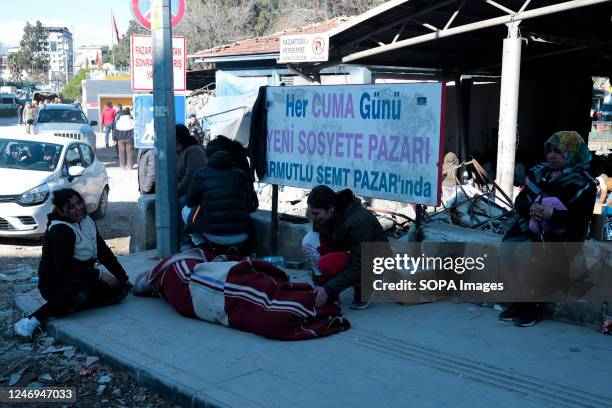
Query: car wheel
(102,205)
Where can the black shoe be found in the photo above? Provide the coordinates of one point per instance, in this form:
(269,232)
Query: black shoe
(510,312)
(528,317)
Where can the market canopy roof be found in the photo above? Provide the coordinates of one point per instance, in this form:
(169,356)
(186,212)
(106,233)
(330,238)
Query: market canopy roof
(465,36)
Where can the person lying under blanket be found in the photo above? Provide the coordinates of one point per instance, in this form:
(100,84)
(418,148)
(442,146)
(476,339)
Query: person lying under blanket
(247,295)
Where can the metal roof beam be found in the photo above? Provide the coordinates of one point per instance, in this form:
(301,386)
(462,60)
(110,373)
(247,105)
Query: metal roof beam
(455,14)
(499,6)
(524,15)
(404,20)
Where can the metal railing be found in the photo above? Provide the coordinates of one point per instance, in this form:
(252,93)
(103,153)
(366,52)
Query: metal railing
(118,71)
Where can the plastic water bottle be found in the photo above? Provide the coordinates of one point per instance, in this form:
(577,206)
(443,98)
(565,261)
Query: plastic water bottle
(608,227)
(278,261)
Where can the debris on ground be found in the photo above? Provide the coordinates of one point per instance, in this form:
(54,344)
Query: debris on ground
(477,202)
(44,363)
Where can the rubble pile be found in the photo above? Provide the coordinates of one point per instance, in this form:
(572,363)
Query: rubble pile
(476,203)
(44,363)
(196,102)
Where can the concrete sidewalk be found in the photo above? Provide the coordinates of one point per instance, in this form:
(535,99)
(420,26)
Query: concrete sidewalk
(433,355)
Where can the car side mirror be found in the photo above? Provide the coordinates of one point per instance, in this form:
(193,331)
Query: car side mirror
(75,171)
(30,121)
(93,123)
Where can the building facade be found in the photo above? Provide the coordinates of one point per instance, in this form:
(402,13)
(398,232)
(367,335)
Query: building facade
(61,54)
(89,56)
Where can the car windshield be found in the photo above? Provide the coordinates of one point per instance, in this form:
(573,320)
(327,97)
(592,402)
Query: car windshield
(61,116)
(29,155)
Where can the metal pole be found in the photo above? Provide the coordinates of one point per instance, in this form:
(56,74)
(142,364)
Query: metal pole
(113,43)
(274,232)
(508,109)
(166,206)
(418,223)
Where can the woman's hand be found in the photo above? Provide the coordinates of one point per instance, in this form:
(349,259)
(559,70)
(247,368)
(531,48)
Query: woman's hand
(109,279)
(541,212)
(321,296)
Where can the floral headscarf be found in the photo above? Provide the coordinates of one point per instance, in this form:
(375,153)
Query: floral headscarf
(574,149)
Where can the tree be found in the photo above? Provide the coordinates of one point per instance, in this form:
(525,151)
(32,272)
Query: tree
(297,13)
(73,89)
(264,14)
(17,64)
(215,22)
(34,44)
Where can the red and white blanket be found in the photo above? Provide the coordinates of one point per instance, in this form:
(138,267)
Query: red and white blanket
(246,295)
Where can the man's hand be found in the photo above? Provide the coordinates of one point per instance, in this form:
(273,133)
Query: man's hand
(321,297)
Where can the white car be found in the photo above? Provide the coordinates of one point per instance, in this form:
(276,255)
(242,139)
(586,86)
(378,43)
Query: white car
(32,167)
(58,119)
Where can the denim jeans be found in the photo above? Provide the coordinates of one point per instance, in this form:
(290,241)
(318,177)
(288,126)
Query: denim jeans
(107,130)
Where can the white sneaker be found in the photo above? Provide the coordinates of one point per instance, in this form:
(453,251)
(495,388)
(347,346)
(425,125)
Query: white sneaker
(25,327)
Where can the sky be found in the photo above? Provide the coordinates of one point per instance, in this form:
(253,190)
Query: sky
(88,20)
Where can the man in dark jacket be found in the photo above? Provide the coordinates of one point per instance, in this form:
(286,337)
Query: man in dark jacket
(123,135)
(341,225)
(146,171)
(195,130)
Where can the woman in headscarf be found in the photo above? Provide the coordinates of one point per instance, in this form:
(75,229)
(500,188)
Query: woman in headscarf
(555,205)
(557,201)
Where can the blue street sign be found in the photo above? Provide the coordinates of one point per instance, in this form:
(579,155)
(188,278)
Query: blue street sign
(144,134)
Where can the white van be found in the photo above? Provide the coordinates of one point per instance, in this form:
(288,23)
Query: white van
(8,103)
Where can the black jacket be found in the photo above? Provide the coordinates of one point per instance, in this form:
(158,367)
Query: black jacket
(223,192)
(189,161)
(258,134)
(58,263)
(146,171)
(352,226)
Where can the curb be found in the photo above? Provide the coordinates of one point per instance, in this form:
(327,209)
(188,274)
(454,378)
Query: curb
(144,374)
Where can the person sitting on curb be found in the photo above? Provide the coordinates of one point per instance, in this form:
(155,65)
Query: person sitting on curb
(555,205)
(146,171)
(68,277)
(219,203)
(340,225)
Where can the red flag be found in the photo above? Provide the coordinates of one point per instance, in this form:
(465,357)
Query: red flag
(115,28)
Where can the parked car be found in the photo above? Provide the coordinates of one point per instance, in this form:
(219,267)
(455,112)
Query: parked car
(32,167)
(8,104)
(65,120)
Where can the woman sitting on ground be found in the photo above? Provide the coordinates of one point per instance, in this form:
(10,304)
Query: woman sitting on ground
(68,277)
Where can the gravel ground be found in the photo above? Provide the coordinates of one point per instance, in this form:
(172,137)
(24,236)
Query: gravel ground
(43,363)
